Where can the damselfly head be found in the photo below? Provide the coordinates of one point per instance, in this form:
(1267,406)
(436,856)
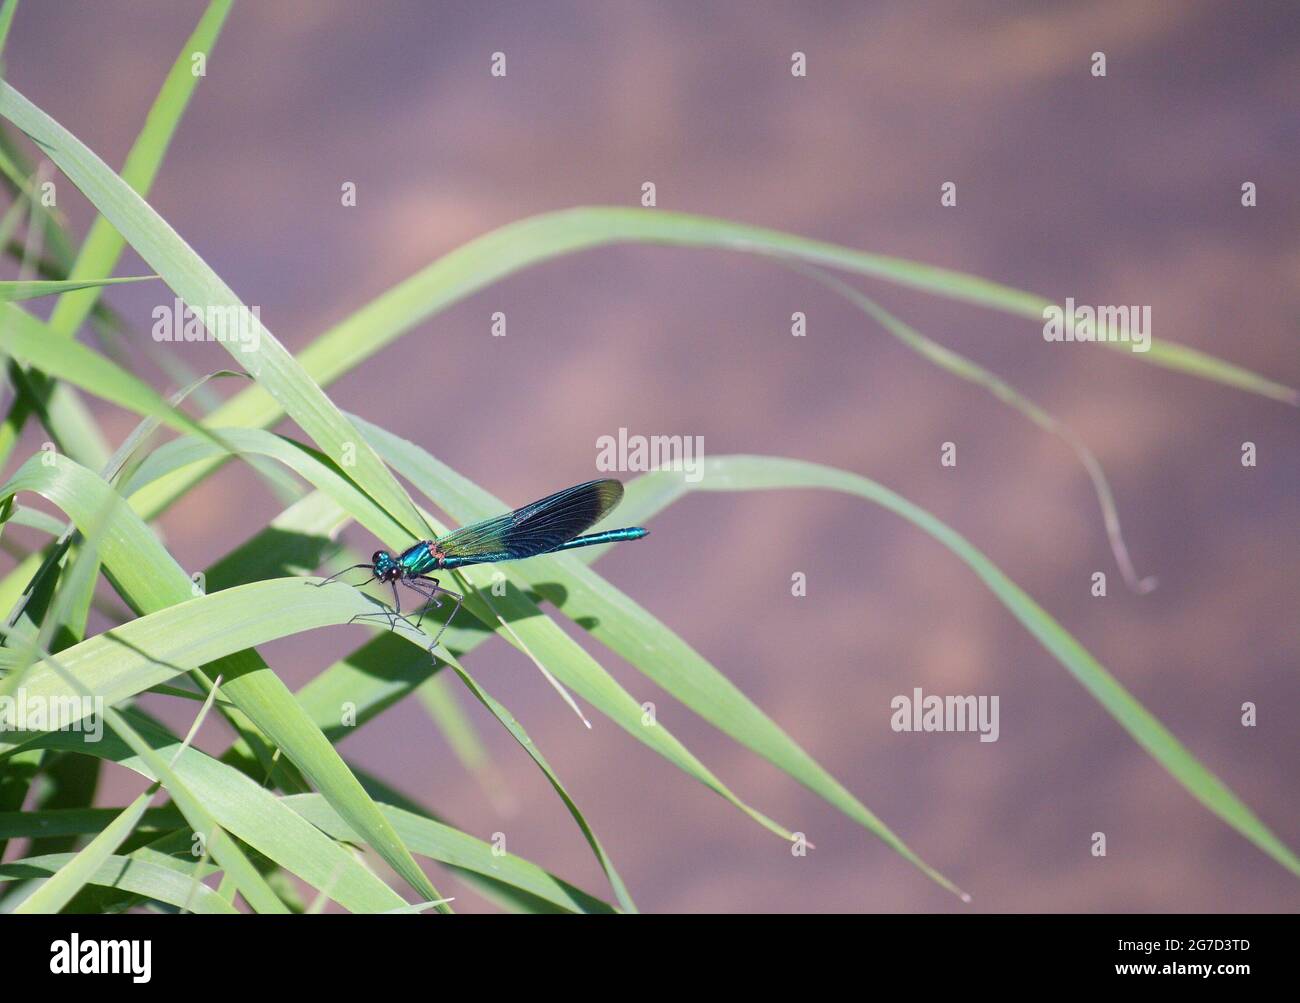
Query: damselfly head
(386,566)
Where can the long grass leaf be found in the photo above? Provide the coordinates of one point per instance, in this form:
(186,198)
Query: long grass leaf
(265,359)
(30,289)
(966,369)
(27,338)
(125,873)
(103,245)
(432,839)
(6,21)
(99,253)
(765,473)
(516,246)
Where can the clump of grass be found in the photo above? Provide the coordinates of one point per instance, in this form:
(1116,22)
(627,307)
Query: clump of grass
(282,800)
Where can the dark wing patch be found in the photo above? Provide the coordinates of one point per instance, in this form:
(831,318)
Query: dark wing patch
(535,528)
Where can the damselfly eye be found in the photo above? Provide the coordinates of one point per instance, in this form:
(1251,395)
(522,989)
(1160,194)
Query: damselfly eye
(377,558)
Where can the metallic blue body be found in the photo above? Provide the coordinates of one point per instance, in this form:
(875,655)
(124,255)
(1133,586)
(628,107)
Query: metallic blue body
(547,526)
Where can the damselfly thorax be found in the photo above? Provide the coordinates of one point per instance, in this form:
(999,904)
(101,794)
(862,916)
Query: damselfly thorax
(419,559)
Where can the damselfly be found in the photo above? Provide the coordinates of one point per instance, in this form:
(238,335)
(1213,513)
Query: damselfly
(543,527)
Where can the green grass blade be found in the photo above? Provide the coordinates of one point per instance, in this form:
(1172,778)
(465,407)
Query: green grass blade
(440,703)
(368,680)
(296,542)
(964,368)
(529,746)
(762,473)
(30,289)
(519,245)
(102,248)
(36,519)
(17,170)
(506,896)
(103,245)
(499,253)
(54,822)
(436,841)
(20,769)
(161,884)
(380,673)
(27,338)
(384,671)
(72,593)
(6,21)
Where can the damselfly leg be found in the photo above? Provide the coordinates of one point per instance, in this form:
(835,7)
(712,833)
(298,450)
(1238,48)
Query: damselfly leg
(368,567)
(390,616)
(430,589)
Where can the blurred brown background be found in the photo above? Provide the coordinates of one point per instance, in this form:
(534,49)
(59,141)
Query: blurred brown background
(1117,190)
